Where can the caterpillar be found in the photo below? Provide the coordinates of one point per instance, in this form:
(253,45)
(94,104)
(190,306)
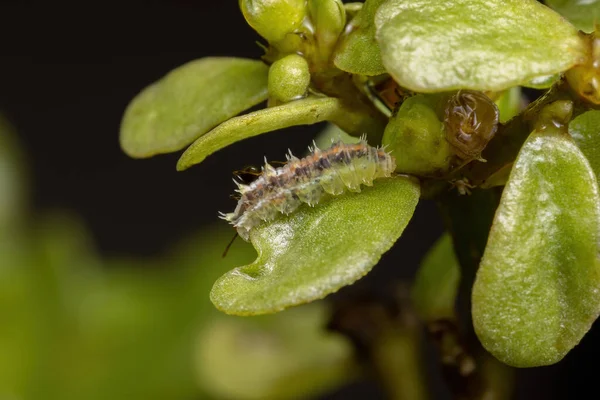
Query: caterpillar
(306,180)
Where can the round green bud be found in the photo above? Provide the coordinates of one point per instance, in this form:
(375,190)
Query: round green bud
(274,19)
(289,78)
(416,138)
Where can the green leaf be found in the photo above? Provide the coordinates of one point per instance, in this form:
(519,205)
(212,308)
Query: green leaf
(536,291)
(283,356)
(509,104)
(301,112)
(357,51)
(316,251)
(542,82)
(431,46)
(585,130)
(582,14)
(188,102)
(436,284)
(468,220)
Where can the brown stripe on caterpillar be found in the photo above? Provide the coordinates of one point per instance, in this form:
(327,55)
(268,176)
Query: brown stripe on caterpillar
(306,180)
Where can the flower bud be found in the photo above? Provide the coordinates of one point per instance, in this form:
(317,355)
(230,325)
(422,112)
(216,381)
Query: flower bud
(415,136)
(274,19)
(328,18)
(289,78)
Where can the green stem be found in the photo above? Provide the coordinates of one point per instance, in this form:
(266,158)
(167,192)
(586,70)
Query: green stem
(336,83)
(397,353)
(387,335)
(468,220)
(397,357)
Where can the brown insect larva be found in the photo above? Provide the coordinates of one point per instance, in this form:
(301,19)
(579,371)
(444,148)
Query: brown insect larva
(471,122)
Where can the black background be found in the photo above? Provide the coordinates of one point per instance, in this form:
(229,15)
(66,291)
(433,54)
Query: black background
(67,72)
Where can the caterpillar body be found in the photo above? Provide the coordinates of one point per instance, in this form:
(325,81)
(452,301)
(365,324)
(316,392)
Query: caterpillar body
(332,171)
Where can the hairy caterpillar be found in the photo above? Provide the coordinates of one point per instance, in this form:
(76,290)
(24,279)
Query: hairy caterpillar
(307,180)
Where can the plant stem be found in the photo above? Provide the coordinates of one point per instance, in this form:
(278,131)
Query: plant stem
(339,84)
(397,358)
(468,220)
(387,336)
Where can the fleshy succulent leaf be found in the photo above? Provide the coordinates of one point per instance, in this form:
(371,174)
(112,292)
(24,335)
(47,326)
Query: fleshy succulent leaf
(301,112)
(316,251)
(431,46)
(358,51)
(585,130)
(536,291)
(189,101)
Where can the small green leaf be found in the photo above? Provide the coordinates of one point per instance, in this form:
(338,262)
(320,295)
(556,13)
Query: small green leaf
(301,112)
(582,13)
(436,284)
(316,251)
(431,46)
(585,130)
(468,220)
(510,103)
(498,178)
(282,356)
(536,291)
(542,82)
(357,51)
(188,102)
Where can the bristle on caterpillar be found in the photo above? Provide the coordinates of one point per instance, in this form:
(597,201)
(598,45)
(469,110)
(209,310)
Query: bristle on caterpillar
(332,171)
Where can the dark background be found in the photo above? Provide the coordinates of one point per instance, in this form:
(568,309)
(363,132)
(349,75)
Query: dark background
(67,72)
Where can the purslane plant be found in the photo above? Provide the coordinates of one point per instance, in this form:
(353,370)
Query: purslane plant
(439,84)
